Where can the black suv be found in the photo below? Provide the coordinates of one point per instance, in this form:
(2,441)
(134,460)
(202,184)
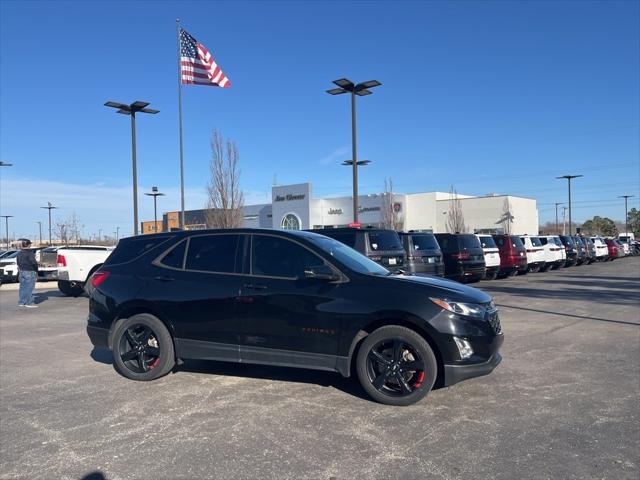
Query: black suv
(582,256)
(380,245)
(287,298)
(570,249)
(463,256)
(424,256)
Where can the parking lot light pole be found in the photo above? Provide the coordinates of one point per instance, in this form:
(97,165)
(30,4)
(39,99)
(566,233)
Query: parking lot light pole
(49,207)
(131,110)
(557,231)
(6,225)
(154,193)
(40,231)
(360,89)
(569,177)
(626,213)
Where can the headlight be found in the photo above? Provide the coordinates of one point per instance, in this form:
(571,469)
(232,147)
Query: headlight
(468,309)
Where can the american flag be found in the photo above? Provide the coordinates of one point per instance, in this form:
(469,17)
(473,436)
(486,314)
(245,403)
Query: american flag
(197,66)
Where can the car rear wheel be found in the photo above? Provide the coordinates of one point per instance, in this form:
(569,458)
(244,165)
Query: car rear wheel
(491,276)
(142,348)
(71,289)
(396,366)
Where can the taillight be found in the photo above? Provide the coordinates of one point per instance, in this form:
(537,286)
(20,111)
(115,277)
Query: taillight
(62,262)
(461,256)
(98,277)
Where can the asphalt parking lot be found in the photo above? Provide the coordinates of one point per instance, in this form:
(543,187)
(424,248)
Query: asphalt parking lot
(563,404)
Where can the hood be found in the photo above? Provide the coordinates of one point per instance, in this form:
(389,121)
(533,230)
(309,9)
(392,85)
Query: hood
(443,288)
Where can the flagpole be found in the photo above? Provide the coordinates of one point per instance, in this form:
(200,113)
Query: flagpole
(180,122)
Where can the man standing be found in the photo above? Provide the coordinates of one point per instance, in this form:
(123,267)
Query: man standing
(27,274)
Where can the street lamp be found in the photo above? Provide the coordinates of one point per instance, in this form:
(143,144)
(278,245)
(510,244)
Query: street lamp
(569,177)
(154,193)
(626,214)
(117,232)
(131,110)
(49,207)
(557,231)
(40,231)
(360,89)
(6,223)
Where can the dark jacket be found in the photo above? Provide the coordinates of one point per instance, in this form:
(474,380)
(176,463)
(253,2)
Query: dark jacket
(26,261)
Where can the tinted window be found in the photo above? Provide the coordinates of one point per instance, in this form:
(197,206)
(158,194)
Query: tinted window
(424,242)
(516,242)
(348,256)
(213,253)
(468,241)
(544,240)
(535,241)
(487,242)
(557,241)
(384,241)
(279,257)
(499,241)
(446,243)
(127,250)
(346,238)
(567,241)
(175,257)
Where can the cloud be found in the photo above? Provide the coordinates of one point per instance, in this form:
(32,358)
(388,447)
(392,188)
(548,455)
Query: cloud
(98,206)
(333,157)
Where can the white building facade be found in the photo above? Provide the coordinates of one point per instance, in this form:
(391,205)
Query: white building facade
(294,207)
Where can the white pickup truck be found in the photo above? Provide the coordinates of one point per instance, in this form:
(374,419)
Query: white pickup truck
(76,264)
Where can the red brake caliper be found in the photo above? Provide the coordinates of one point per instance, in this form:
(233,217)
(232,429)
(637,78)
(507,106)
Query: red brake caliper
(419,380)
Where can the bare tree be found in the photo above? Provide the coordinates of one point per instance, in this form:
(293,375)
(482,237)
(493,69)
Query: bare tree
(225,200)
(68,229)
(455,218)
(390,211)
(506,219)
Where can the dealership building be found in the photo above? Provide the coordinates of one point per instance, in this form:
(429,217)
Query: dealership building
(294,207)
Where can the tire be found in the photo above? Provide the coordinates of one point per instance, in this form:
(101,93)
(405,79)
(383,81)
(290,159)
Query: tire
(142,348)
(491,276)
(382,375)
(70,289)
(534,269)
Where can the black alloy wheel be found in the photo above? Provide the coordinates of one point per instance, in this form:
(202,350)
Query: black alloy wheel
(142,348)
(396,366)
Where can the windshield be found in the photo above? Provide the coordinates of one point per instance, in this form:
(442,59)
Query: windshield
(568,241)
(348,256)
(535,241)
(468,241)
(424,242)
(384,240)
(487,242)
(558,242)
(516,242)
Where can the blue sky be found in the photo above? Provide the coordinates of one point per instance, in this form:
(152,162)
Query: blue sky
(486,96)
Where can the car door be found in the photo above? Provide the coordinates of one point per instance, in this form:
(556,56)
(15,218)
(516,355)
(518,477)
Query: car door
(288,319)
(196,285)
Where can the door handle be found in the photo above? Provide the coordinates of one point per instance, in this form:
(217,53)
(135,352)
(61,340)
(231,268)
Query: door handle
(251,286)
(164,279)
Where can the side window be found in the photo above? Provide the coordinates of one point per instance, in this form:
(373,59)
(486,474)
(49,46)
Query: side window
(543,240)
(499,241)
(279,257)
(175,257)
(348,239)
(128,250)
(213,253)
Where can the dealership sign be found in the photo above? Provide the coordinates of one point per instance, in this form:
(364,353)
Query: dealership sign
(289,196)
(335,211)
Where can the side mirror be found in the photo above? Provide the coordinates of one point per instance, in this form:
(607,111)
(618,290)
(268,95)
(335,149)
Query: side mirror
(321,272)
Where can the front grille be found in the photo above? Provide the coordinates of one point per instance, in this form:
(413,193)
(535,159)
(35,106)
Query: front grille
(494,321)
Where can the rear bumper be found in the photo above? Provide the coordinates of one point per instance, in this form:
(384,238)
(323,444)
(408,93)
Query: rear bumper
(457,373)
(426,269)
(99,336)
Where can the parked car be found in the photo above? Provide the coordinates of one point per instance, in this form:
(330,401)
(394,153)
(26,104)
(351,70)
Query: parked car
(613,248)
(287,298)
(382,246)
(9,268)
(590,248)
(625,246)
(491,256)
(554,254)
(463,256)
(535,253)
(602,252)
(424,256)
(47,263)
(5,253)
(76,264)
(622,251)
(513,255)
(570,250)
(582,256)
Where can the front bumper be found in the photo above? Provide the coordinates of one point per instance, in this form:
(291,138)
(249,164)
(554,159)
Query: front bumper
(457,373)
(99,336)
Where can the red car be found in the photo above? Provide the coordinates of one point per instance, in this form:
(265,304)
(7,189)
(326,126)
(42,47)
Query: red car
(613,248)
(513,255)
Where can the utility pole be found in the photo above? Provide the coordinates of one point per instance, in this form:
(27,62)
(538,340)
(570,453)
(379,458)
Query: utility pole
(569,178)
(564,223)
(49,207)
(40,230)
(6,224)
(557,230)
(626,213)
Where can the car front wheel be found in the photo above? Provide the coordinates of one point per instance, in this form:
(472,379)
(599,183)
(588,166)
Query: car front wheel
(396,366)
(142,348)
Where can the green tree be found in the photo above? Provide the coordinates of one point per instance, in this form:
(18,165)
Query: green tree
(600,226)
(633,218)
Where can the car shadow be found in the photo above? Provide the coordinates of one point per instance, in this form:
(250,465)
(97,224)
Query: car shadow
(102,355)
(96,475)
(41,297)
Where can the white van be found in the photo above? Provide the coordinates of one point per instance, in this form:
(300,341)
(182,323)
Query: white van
(535,253)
